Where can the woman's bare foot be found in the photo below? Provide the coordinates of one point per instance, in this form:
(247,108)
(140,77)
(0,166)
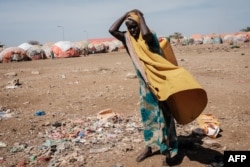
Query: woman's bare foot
(147,152)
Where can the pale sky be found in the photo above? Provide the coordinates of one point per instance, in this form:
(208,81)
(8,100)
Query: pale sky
(25,20)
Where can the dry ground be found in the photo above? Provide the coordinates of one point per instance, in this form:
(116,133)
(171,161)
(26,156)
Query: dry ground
(77,87)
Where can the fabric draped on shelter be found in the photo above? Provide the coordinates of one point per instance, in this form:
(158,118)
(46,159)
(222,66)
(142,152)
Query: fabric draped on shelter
(65,49)
(13,54)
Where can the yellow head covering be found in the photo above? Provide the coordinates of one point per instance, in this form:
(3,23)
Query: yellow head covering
(133,16)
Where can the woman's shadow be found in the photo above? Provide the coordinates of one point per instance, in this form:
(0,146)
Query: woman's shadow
(191,146)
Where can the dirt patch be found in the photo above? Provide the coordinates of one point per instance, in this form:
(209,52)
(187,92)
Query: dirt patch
(72,89)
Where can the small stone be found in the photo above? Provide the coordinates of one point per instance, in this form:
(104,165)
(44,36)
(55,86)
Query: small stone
(2,144)
(10,74)
(131,76)
(35,72)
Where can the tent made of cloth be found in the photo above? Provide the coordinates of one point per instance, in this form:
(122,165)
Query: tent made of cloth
(97,47)
(82,46)
(212,39)
(13,54)
(228,38)
(35,52)
(25,46)
(111,46)
(241,37)
(65,49)
(198,38)
(47,49)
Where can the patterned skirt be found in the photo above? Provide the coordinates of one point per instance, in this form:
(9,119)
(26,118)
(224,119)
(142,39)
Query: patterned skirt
(158,122)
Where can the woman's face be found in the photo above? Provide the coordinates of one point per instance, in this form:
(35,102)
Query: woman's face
(133,28)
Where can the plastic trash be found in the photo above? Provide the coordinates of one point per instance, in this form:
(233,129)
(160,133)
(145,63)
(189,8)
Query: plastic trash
(209,125)
(39,113)
(81,134)
(2,144)
(33,158)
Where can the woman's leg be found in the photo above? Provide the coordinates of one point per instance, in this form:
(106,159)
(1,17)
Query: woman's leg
(171,138)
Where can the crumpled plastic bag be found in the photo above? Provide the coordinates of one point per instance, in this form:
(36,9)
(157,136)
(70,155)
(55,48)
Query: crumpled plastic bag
(208,125)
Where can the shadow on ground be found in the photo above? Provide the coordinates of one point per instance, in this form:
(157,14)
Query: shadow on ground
(191,147)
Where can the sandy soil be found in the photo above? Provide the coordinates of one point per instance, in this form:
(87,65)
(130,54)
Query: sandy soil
(75,88)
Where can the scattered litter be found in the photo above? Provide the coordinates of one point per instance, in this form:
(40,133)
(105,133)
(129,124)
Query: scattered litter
(32,158)
(2,144)
(44,159)
(1,159)
(13,84)
(65,142)
(22,164)
(11,87)
(18,148)
(5,115)
(208,125)
(39,113)
(106,114)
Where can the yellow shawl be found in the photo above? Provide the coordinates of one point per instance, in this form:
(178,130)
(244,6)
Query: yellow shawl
(170,83)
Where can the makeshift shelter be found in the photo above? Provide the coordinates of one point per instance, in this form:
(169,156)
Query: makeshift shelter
(207,39)
(65,49)
(240,37)
(100,40)
(36,53)
(25,46)
(47,49)
(111,46)
(82,46)
(118,44)
(97,47)
(212,39)
(217,40)
(248,36)
(184,41)
(174,41)
(228,38)
(103,45)
(197,38)
(13,54)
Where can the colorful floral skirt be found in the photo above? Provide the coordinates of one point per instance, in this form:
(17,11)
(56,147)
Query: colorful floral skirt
(158,122)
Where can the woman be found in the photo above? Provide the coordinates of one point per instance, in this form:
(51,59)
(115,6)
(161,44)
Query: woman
(158,122)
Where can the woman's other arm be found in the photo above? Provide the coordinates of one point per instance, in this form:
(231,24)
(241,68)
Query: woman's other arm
(114,29)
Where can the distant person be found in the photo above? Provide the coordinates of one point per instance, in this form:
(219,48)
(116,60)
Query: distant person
(153,71)
(52,54)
